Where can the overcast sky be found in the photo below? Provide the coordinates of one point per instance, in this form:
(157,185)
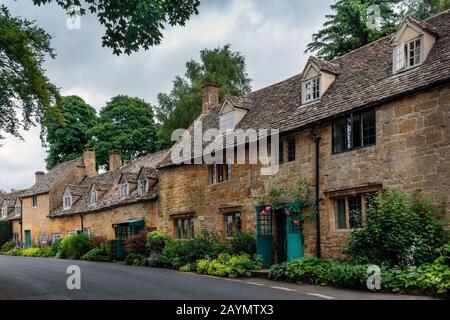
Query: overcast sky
(272,34)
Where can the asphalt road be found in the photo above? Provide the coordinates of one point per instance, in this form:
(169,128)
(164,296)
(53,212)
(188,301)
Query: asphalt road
(39,278)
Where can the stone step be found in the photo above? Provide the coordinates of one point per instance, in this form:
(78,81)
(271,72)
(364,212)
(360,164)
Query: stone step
(262,274)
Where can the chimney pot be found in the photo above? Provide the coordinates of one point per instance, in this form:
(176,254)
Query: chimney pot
(210,96)
(39,175)
(89,162)
(115,160)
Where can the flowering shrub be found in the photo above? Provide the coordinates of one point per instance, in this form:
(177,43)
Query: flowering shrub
(137,244)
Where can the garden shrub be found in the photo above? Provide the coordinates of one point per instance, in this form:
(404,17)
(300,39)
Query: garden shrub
(7,246)
(243,242)
(32,252)
(228,266)
(5,232)
(398,232)
(137,243)
(137,260)
(156,242)
(111,249)
(96,254)
(74,247)
(54,248)
(98,241)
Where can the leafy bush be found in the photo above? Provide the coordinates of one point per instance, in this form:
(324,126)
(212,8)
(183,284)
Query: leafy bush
(137,260)
(74,247)
(111,249)
(32,252)
(5,232)
(156,242)
(54,248)
(243,242)
(96,254)
(137,243)
(398,231)
(228,266)
(98,241)
(8,246)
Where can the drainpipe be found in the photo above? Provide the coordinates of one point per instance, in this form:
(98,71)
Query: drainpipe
(21,223)
(82,223)
(317,138)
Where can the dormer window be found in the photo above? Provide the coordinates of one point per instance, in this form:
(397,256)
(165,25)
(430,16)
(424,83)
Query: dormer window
(227,122)
(93,197)
(311,90)
(142,187)
(4,213)
(408,55)
(124,191)
(67,201)
(18,209)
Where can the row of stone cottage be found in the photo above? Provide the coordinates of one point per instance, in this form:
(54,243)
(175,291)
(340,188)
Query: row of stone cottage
(372,119)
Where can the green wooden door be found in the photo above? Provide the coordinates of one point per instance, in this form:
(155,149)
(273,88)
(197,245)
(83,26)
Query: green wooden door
(294,240)
(264,238)
(27,239)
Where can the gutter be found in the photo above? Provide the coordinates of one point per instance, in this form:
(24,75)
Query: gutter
(317,139)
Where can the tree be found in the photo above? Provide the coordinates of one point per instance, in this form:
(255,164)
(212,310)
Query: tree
(132,24)
(179,108)
(67,139)
(126,124)
(24,89)
(424,9)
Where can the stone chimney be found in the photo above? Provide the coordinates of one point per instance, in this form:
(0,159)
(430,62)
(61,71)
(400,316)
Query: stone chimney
(210,96)
(39,175)
(115,160)
(89,163)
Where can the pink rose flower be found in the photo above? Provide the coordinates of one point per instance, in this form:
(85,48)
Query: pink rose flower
(268,209)
(287,213)
(296,222)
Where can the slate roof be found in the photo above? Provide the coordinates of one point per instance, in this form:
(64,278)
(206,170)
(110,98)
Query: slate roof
(49,180)
(364,78)
(108,188)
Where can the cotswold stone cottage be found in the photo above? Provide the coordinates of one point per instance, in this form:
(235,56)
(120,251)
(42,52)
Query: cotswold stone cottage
(376,118)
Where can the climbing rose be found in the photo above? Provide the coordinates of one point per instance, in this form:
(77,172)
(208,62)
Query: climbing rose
(268,209)
(296,222)
(287,213)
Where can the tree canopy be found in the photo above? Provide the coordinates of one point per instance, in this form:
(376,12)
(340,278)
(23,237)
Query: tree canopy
(126,124)
(26,95)
(348,28)
(66,140)
(133,24)
(179,108)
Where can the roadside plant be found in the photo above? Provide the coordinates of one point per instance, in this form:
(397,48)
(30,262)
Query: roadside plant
(156,242)
(137,243)
(8,246)
(74,247)
(243,242)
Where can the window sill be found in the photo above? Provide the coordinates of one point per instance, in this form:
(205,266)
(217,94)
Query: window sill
(355,149)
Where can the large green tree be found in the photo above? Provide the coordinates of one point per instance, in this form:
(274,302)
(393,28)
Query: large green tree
(26,95)
(423,9)
(179,108)
(66,140)
(125,124)
(349,28)
(133,24)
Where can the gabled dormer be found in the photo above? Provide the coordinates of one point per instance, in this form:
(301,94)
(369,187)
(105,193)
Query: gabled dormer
(231,113)
(71,195)
(128,183)
(147,179)
(412,43)
(317,77)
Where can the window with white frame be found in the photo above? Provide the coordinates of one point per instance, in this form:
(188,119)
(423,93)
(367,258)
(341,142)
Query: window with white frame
(18,209)
(88,232)
(311,90)
(56,236)
(227,122)
(93,197)
(4,213)
(124,190)
(67,202)
(142,187)
(72,232)
(408,55)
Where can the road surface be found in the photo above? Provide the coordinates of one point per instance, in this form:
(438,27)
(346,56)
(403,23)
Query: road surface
(41,278)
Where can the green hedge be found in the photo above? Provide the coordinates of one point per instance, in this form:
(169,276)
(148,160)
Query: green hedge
(226,266)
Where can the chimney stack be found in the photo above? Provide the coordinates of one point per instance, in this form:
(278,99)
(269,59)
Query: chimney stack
(115,160)
(210,96)
(89,162)
(39,175)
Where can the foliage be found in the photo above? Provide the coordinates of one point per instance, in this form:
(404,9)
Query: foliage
(125,124)
(243,242)
(67,139)
(7,246)
(96,254)
(228,266)
(348,27)
(137,243)
(179,108)
(426,279)
(137,260)
(424,9)
(32,252)
(180,253)
(111,249)
(131,25)
(398,231)
(5,232)
(98,241)
(55,247)
(156,242)
(25,91)
(74,247)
